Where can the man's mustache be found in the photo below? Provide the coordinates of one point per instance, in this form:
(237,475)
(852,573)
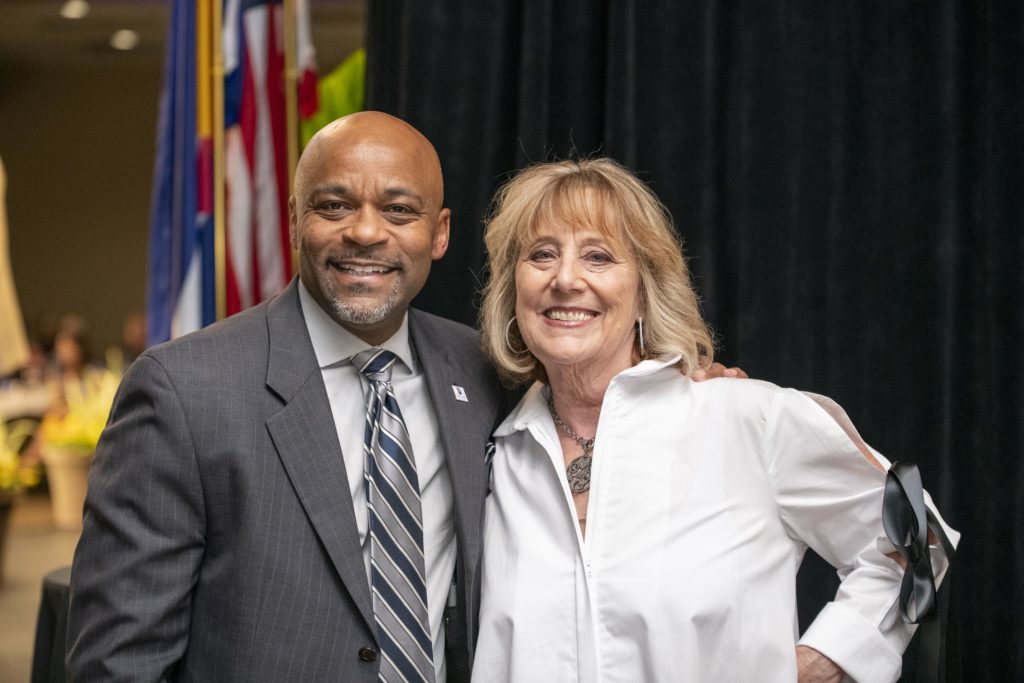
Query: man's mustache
(375,256)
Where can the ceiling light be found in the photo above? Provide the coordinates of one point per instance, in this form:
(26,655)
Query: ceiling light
(125,39)
(75,9)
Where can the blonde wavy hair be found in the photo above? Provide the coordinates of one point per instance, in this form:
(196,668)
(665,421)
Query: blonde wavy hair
(626,211)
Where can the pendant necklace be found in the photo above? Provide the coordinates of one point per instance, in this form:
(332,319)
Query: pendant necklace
(578,471)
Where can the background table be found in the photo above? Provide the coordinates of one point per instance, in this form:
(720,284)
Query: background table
(52,629)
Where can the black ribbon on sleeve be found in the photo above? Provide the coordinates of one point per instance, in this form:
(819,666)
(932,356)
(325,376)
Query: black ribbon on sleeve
(907,521)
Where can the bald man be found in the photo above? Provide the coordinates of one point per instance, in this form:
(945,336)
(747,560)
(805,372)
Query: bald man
(226,526)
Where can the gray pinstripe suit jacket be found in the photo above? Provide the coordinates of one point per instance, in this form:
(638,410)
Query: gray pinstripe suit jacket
(220,542)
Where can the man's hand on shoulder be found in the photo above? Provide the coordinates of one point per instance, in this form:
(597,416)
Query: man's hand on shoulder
(814,667)
(716,370)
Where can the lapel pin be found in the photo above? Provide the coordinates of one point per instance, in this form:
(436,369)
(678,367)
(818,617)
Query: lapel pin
(460,393)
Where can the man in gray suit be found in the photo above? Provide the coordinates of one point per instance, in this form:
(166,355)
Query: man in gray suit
(225,534)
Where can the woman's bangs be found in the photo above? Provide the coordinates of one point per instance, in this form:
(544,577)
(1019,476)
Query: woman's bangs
(578,205)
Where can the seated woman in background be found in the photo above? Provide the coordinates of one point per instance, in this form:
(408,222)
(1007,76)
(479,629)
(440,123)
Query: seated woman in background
(75,372)
(641,526)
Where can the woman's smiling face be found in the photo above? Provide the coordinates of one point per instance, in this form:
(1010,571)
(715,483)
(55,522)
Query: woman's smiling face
(577,297)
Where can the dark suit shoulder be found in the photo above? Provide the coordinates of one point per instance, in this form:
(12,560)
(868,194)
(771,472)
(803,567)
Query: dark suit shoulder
(239,326)
(226,351)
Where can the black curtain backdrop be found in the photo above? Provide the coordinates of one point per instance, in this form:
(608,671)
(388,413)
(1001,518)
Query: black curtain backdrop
(848,180)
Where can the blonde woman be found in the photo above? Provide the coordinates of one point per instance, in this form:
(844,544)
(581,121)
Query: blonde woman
(641,526)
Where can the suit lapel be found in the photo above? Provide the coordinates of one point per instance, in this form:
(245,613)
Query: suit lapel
(306,439)
(464,427)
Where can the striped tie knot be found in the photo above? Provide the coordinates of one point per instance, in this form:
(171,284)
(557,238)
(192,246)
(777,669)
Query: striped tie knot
(375,364)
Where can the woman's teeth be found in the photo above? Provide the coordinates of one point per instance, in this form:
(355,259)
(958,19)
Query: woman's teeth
(569,316)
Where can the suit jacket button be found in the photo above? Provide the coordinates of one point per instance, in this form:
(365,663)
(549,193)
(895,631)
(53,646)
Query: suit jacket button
(367,654)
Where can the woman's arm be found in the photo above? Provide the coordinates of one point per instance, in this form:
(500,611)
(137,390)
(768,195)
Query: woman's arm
(829,486)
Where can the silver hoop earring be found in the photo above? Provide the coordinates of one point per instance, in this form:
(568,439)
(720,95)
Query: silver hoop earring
(508,342)
(640,329)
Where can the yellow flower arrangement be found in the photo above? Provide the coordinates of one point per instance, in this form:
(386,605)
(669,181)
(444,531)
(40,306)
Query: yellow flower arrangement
(13,475)
(87,408)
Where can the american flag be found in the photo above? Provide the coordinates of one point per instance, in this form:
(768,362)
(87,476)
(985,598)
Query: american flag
(182,279)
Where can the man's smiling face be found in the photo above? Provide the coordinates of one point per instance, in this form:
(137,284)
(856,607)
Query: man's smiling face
(367,221)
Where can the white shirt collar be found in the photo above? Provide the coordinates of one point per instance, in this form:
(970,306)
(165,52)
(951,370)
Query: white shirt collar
(533,408)
(332,343)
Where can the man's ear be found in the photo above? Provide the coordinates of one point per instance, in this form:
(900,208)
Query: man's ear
(293,223)
(441,234)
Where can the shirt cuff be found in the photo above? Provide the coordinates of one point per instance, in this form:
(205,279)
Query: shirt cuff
(848,639)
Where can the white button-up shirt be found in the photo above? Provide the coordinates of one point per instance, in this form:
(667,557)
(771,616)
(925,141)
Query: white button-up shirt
(703,499)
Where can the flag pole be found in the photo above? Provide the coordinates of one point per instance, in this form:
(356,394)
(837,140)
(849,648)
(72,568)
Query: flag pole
(291,88)
(219,225)
(291,98)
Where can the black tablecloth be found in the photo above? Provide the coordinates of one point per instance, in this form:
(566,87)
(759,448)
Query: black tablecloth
(52,628)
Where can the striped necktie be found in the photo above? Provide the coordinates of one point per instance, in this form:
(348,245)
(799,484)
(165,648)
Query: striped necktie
(397,575)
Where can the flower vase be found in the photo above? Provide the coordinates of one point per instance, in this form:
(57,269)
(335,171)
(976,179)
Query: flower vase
(67,471)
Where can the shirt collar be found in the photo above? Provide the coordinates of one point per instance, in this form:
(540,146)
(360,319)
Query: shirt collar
(533,408)
(332,343)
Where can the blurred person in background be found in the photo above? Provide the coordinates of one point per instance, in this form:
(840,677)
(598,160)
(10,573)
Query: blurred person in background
(133,337)
(72,354)
(131,346)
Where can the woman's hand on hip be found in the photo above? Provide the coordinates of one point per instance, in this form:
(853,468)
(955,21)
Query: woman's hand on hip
(814,667)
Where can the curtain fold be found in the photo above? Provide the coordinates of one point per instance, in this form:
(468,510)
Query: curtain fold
(846,177)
